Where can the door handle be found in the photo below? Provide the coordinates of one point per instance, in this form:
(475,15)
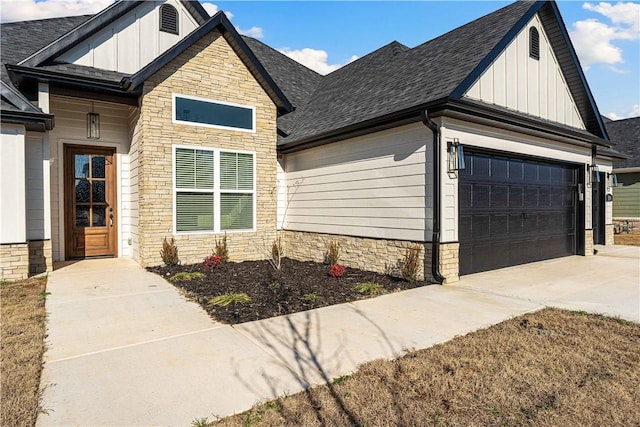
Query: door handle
(111,220)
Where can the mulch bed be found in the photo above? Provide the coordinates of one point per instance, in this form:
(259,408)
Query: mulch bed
(274,293)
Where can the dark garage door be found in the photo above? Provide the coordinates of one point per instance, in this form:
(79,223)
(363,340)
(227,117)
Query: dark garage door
(514,211)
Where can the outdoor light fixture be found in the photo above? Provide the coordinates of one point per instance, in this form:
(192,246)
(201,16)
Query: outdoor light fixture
(593,174)
(612,179)
(93,124)
(455,156)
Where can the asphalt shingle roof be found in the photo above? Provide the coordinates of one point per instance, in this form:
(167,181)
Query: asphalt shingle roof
(393,78)
(626,135)
(18,40)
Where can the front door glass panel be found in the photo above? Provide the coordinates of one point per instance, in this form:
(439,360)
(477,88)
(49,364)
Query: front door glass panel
(90,190)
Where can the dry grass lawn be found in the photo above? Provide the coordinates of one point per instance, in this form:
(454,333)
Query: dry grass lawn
(21,347)
(632,238)
(550,368)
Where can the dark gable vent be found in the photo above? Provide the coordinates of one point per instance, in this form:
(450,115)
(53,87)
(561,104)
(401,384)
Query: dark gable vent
(534,43)
(168,19)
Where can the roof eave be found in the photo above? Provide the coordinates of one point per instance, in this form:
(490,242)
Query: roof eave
(634,169)
(38,122)
(504,119)
(19,73)
(454,108)
(17,99)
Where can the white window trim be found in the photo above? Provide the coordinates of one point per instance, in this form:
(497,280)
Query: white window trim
(212,101)
(216,190)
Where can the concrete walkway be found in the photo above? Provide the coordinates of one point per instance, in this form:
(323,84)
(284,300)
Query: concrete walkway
(125,348)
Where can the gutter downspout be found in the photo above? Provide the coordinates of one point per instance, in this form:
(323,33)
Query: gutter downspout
(435,239)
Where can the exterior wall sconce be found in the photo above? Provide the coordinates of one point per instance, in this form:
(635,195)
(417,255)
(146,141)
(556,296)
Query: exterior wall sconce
(455,156)
(612,180)
(93,125)
(593,174)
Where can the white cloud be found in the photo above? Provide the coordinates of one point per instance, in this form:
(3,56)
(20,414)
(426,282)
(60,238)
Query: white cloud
(634,111)
(594,39)
(23,10)
(626,15)
(212,9)
(255,32)
(316,59)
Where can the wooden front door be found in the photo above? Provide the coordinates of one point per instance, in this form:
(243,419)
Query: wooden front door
(90,201)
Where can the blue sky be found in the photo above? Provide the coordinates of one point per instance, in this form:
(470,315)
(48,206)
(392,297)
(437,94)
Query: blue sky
(325,35)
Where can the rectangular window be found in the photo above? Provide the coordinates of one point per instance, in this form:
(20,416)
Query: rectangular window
(203,112)
(214,190)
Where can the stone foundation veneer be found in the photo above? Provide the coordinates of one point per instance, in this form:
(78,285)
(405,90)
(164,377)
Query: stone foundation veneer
(378,255)
(40,257)
(14,261)
(608,234)
(588,242)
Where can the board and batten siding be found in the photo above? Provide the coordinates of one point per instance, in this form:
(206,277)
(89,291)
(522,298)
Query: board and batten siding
(370,186)
(536,87)
(132,41)
(71,129)
(626,196)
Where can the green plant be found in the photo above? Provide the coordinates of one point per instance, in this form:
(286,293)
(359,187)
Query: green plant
(369,288)
(44,294)
(332,256)
(411,263)
(221,249)
(275,405)
(277,253)
(312,298)
(200,422)
(230,298)
(185,276)
(340,379)
(169,252)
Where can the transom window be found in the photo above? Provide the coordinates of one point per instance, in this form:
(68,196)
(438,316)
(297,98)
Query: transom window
(217,114)
(214,190)
(168,19)
(534,43)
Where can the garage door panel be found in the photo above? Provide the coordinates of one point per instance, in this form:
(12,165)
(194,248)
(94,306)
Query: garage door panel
(499,196)
(514,211)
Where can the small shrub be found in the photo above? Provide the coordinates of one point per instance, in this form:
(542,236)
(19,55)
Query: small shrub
(221,249)
(277,253)
(333,253)
(212,261)
(312,298)
(336,270)
(169,252)
(369,288)
(230,298)
(185,276)
(411,263)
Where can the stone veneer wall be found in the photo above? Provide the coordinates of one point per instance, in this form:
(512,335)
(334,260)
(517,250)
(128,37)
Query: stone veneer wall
(40,257)
(14,261)
(209,69)
(450,261)
(588,242)
(378,255)
(608,234)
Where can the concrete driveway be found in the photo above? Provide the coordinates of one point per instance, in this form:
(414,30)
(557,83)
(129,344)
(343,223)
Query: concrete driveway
(126,349)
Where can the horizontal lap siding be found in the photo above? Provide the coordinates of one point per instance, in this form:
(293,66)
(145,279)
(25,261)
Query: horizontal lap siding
(370,186)
(626,196)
